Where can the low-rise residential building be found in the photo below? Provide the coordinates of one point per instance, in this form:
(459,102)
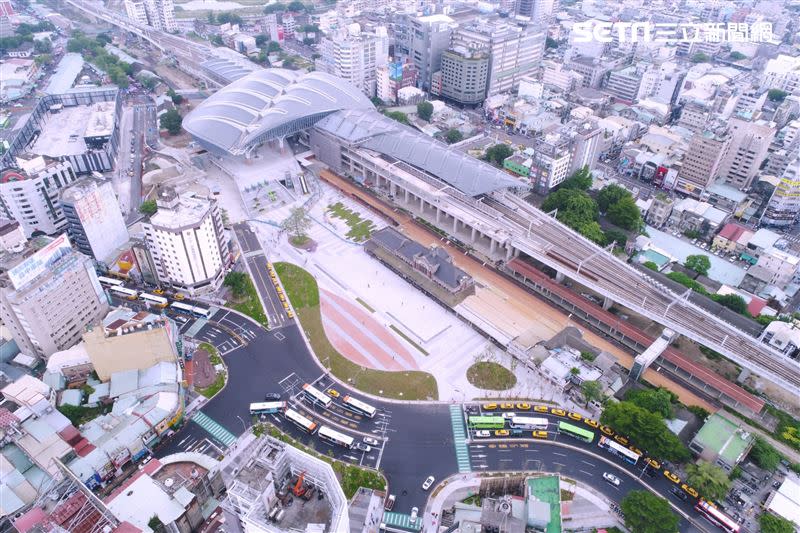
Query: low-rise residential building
(660,210)
(729,237)
(690,215)
(761,240)
(784,337)
(130,340)
(722,442)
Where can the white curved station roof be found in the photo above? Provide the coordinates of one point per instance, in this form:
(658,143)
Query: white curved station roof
(267,104)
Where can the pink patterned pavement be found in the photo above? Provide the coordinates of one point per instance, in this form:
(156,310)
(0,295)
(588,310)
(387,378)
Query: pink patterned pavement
(361,338)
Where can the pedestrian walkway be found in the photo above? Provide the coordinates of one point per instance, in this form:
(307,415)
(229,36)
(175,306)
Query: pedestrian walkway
(217,431)
(196,327)
(402,520)
(460,439)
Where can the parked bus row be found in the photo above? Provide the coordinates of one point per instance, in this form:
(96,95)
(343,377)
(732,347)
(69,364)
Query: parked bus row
(326,433)
(317,397)
(609,441)
(115,286)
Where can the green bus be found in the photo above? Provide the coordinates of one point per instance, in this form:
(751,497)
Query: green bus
(574,431)
(487,422)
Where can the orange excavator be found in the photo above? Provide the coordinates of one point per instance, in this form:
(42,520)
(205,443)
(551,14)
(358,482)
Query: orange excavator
(298,489)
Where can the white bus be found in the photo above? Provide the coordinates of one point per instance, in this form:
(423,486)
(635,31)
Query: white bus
(358,406)
(266,408)
(334,437)
(316,396)
(527,422)
(190,309)
(130,294)
(158,301)
(109,282)
(309,426)
(629,456)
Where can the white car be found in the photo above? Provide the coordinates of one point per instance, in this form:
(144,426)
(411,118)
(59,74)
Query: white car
(371,441)
(483,433)
(414,513)
(428,482)
(509,416)
(611,478)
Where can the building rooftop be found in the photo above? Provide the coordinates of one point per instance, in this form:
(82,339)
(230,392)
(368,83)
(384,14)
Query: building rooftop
(724,438)
(63,132)
(786,501)
(185,211)
(732,232)
(66,72)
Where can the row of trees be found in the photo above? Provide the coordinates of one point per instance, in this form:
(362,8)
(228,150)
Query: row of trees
(293,7)
(645,428)
(93,50)
(24,34)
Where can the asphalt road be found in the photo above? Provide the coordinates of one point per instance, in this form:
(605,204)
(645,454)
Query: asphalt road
(419,437)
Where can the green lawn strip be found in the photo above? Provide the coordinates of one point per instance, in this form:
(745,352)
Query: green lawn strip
(491,376)
(302,290)
(360,229)
(215,387)
(365,304)
(213,355)
(250,305)
(408,339)
(351,477)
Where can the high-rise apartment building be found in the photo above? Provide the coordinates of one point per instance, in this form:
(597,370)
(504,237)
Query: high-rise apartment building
(94,220)
(749,144)
(551,162)
(782,72)
(355,56)
(187,242)
(538,11)
(515,51)
(783,208)
(585,139)
(464,74)
(49,295)
(623,84)
(422,40)
(29,194)
(701,163)
(160,14)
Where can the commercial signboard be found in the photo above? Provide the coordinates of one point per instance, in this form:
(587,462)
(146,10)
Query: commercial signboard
(42,260)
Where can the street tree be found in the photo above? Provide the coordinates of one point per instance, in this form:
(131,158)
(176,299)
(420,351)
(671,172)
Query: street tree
(644,512)
(580,179)
(592,391)
(765,455)
(498,153)
(237,283)
(710,480)
(148,207)
(771,523)
(425,110)
(171,121)
(699,263)
(399,116)
(297,224)
(617,236)
(645,428)
(776,95)
(734,302)
(273,46)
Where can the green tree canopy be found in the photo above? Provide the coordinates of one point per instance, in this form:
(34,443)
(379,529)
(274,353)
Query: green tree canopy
(297,223)
(610,195)
(550,43)
(625,214)
(148,207)
(498,153)
(644,512)
(273,46)
(399,116)
(175,97)
(296,6)
(615,235)
(657,401)
(734,302)
(453,136)
(647,430)
(699,263)
(425,110)
(581,179)
(237,283)
(171,121)
(771,523)
(776,95)
(651,265)
(700,57)
(261,39)
(274,8)
(737,56)
(710,480)
(577,210)
(592,391)
(765,455)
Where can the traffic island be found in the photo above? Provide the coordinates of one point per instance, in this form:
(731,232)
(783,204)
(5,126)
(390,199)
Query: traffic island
(244,297)
(303,293)
(488,375)
(208,371)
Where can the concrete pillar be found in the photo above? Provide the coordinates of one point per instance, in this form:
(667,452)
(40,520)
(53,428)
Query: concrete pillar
(455,225)
(392,188)
(438,215)
(474,231)
(493,246)
(406,191)
(560,277)
(607,303)
(509,252)
(422,205)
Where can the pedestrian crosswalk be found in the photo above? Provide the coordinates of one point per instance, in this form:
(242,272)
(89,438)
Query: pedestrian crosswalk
(217,431)
(402,520)
(460,439)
